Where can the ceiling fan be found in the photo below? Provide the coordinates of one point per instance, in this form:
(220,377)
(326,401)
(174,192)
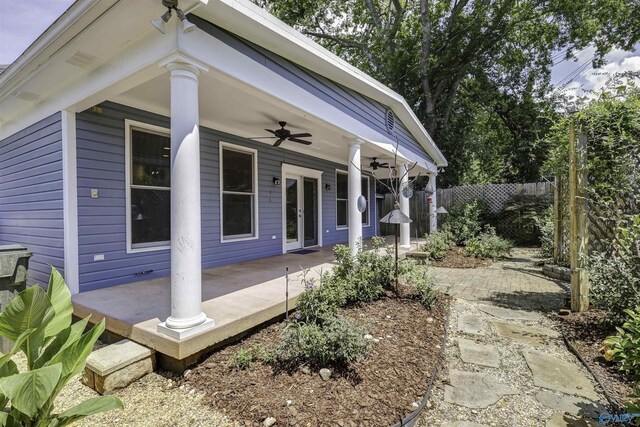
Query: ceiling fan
(283,134)
(375,164)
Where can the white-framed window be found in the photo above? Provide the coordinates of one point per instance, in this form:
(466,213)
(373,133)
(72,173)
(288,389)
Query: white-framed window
(342,199)
(148,186)
(238,193)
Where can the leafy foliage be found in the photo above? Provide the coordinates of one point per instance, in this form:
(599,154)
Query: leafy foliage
(464,220)
(39,324)
(243,358)
(545,224)
(614,282)
(338,342)
(520,214)
(624,347)
(476,73)
(488,245)
(438,243)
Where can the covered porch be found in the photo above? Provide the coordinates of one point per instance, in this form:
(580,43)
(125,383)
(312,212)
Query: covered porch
(238,296)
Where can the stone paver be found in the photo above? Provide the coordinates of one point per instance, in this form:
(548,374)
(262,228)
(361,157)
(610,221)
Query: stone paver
(508,314)
(479,354)
(555,374)
(471,325)
(474,390)
(521,392)
(529,335)
(569,404)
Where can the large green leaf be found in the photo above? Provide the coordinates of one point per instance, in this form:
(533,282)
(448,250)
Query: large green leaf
(85,409)
(74,357)
(64,339)
(16,346)
(60,299)
(30,309)
(29,391)
(6,420)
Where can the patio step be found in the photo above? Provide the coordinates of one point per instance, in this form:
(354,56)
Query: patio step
(118,365)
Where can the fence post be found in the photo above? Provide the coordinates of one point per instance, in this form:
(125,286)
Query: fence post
(578,210)
(557,220)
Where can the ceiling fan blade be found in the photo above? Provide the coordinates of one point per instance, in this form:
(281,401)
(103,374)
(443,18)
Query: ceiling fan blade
(271,131)
(278,142)
(384,165)
(300,135)
(262,137)
(300,141)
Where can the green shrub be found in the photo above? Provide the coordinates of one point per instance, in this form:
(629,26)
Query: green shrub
(39,324)
(424,285)
(488,245)
(438,243)
(624,347)
(464,221)
(614,283)
(338,342)
(545,224)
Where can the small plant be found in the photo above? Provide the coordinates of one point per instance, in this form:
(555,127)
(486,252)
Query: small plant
(243,358)
(424,285)
(545,224)
(488,245)
(624,347)
(339,342)
(615,284)
(39,324)
(438,243)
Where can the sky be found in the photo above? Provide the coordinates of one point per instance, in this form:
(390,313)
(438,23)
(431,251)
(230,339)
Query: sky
(22,21)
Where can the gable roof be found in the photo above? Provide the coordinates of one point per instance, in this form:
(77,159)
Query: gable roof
(240,17)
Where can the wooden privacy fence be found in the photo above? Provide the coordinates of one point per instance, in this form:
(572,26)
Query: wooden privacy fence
(496,196)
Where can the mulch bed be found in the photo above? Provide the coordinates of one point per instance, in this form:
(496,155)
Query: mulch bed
(375,392)
(458,258)
(587,331)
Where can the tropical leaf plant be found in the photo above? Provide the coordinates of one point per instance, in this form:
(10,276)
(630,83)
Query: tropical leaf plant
(39,324)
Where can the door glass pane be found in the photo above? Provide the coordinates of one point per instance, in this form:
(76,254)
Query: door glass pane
(238,215)
(310,212)
(292,210)
(237,171)
(150,159)
(150,216)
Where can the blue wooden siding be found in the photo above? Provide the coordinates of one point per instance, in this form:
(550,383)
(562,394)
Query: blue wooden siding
(31,206)
(360,107)
(101,222)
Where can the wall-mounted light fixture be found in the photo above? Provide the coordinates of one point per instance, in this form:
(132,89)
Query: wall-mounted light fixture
(327,187)
(276,181)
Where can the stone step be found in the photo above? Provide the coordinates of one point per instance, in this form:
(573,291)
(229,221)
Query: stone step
(118,365)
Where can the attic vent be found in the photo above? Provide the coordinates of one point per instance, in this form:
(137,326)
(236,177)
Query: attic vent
(27,96)
(81,59)
(390,121)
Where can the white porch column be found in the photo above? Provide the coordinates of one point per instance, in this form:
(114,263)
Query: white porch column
(405,229)
(355,190)
(186,317)
(433,215)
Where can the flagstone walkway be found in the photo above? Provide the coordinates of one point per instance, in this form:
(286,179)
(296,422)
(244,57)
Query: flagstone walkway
(506,366)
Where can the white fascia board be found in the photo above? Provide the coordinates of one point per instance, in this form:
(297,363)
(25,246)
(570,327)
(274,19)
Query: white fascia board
(236,69)
(253,23)
(136,65)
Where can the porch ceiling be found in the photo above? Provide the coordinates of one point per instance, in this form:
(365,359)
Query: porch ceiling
(230,109)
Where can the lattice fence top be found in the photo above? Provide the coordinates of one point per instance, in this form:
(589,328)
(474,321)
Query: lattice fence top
(495,195)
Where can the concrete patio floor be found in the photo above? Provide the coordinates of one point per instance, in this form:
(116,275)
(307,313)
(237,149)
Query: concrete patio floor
(237,296)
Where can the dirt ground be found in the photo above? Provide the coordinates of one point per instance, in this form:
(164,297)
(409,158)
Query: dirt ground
(377,391)
(587,331)
(458,258)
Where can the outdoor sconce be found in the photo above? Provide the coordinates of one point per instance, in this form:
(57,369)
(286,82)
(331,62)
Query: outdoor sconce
(276,181)
(327,187)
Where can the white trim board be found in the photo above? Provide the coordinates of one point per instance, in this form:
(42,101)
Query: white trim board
(70,201)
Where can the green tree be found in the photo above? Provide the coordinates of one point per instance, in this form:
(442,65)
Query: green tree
(464,64)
